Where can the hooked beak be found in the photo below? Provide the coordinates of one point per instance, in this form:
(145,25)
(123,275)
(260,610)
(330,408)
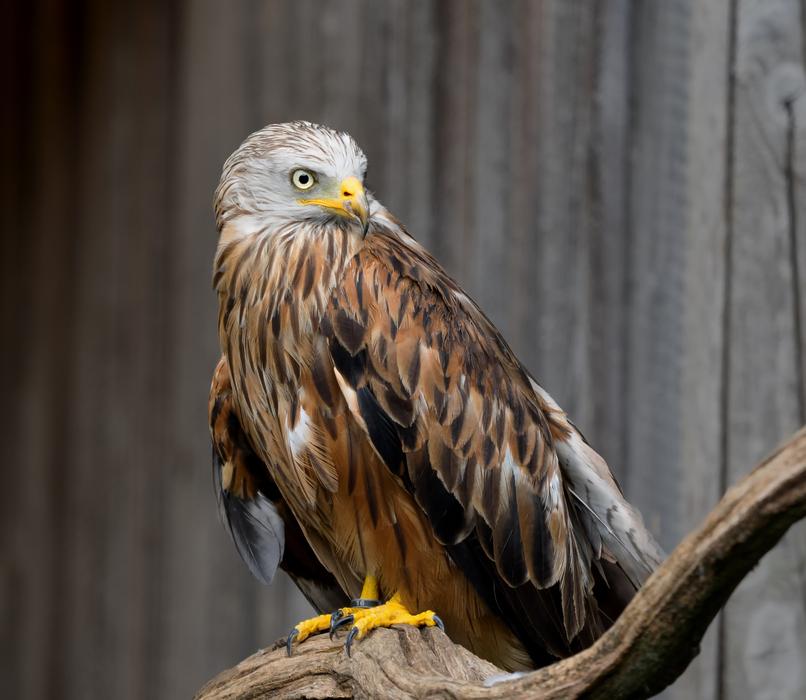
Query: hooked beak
(351,202)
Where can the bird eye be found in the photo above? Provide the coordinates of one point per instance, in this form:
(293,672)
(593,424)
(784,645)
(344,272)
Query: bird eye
(302,179)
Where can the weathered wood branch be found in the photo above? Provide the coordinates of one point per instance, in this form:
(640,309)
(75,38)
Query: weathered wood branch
(648,647)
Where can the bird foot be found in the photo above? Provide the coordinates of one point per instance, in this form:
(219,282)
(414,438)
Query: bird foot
(364,616)
(327,622)
(393,612)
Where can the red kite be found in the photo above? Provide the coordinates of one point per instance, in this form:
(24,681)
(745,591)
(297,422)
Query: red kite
(375,436)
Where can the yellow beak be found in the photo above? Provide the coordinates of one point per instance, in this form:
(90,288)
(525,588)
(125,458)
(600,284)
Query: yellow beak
(351,202)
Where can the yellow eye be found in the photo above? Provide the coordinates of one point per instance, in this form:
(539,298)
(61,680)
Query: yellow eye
(303,179)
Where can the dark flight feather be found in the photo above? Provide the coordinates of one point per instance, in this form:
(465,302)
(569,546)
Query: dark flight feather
(255,526)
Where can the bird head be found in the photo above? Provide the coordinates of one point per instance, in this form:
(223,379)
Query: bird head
(291,173)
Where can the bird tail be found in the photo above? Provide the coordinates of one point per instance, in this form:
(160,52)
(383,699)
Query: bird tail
(614,527)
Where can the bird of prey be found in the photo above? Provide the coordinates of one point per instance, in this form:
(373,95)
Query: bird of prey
(376,437)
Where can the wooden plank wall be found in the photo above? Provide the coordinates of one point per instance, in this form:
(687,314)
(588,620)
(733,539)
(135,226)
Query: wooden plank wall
(621,185)
(764,633)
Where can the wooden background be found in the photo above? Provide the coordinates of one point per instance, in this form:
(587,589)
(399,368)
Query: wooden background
(621,185)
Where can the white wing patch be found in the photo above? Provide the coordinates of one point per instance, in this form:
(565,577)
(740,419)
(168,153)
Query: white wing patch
(554,491)
(312,461)
(299,436)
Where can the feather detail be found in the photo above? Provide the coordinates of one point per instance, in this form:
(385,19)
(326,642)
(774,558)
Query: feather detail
(265,533)
(255,526)
(610,522)
(448,403)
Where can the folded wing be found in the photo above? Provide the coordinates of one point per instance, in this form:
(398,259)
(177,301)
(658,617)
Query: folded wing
(525,507)
(265,532)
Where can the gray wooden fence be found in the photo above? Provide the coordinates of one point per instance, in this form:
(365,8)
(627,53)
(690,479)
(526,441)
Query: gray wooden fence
(620,184)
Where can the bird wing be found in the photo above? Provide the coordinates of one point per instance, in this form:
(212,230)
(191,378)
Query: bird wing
(509,486)
(263,528)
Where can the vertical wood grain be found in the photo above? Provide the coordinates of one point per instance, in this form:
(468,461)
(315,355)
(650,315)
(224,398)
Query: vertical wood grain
(657,259)
(37,291)
(533,149)
(109,472)
(16,637)
(609,182)
(765,635)
(706,171)
(456,58)
(209,614)
(795,103)
(529,39)
(558,237)
(488,189)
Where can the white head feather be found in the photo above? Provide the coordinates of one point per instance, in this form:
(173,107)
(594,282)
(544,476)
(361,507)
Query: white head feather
(256,179)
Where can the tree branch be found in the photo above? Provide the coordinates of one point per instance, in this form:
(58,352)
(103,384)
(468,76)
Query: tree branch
(648,647)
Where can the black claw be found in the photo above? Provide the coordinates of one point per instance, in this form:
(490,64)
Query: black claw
(348,643)
(340,621)
(288,642)
(439,623)
(335,617)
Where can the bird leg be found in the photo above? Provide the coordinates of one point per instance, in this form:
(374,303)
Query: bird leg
(365,614)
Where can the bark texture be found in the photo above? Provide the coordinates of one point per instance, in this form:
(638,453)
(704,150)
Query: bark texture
(649,646)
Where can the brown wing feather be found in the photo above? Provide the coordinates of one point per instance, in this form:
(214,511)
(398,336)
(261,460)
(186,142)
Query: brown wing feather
(242,480)
(450,410)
